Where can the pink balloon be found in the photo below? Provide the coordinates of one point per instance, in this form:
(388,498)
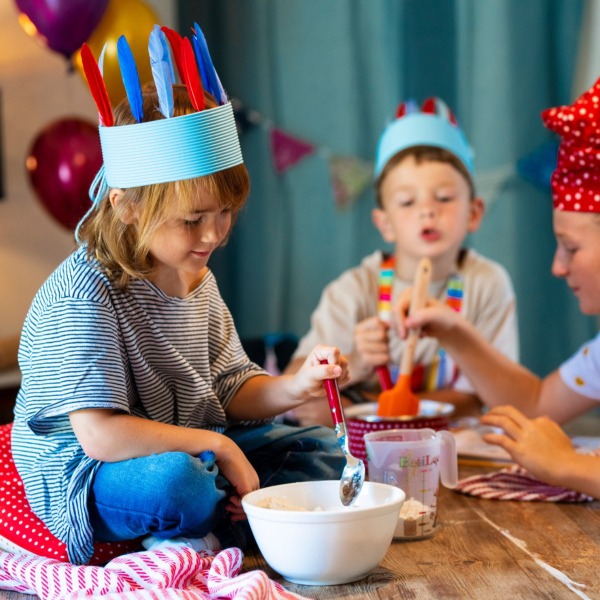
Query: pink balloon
(63,25)
(62,163)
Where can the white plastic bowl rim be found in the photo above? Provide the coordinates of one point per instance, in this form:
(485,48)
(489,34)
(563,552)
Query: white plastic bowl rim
(389,503)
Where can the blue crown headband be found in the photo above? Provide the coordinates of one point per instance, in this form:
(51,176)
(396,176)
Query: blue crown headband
(431,125)
(172,148)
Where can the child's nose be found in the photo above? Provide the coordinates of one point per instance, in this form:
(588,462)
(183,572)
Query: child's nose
(427,210)
(214,231)
(210,232)
(559,266)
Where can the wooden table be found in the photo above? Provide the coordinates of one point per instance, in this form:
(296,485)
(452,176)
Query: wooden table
(484,549)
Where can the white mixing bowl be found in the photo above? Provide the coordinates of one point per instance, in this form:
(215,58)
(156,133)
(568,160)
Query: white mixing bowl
(329,543)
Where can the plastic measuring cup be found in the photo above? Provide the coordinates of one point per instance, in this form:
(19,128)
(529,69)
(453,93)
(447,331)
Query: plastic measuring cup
(414,460)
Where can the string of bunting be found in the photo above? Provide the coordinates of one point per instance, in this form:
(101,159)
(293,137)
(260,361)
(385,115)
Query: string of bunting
(350,176)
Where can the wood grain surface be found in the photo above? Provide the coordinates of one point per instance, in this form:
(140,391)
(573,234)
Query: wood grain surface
(484,550)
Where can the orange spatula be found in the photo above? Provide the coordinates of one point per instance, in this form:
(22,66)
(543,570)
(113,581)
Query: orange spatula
(400,400)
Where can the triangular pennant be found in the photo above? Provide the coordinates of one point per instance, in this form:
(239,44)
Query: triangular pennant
(287,150)
(537,166)
(349,178)
(491,182)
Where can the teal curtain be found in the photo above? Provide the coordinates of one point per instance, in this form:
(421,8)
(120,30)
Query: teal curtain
(331,72)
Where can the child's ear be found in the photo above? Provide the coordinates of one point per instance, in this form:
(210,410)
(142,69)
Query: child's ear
(477,210)
(122,207)
(382,223)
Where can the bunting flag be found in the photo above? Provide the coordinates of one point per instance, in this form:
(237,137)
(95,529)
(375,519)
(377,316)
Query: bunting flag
(350,176)
(490,183)
(538,166)
(287,150)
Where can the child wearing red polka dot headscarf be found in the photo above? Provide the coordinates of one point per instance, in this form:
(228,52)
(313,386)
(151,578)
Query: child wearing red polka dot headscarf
(530,430)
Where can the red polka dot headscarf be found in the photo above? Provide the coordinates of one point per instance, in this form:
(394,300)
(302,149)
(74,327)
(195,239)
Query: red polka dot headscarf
(576,179)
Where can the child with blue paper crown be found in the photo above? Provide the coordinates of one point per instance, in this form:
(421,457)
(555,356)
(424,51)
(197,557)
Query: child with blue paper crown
(526,407)
(426,207)
(139,414)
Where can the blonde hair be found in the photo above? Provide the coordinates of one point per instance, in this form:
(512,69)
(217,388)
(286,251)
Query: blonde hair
(423,154)
(123,249)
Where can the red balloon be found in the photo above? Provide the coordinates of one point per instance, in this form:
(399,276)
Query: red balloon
(62,163)
(63,25)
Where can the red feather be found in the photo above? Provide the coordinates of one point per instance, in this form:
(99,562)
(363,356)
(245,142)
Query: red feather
(401,110)
(191,76)
(175,42)
(429,106)
(97,86)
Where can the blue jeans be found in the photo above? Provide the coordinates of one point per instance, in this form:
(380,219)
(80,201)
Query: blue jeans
(175,494)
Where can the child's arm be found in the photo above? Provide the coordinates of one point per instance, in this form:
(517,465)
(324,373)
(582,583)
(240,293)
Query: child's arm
(110,436)
(496,379)
(540,446)
(263,397)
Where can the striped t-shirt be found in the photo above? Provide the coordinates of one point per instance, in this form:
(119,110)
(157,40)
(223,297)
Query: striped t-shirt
(87,344)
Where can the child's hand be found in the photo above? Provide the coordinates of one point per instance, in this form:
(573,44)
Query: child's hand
(539,445)
(437,319)
(307,383)
(371,341)
(235,509)
(236,468)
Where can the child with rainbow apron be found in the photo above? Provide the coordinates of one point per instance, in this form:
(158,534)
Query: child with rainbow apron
(426,207)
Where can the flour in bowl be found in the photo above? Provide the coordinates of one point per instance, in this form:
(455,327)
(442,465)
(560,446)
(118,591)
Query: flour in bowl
(279,503)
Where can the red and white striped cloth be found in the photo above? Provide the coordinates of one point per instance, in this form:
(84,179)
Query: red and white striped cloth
(515,483)
(163,574)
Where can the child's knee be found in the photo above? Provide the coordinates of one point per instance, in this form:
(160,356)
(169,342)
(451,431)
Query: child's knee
(187,486)
(181,473)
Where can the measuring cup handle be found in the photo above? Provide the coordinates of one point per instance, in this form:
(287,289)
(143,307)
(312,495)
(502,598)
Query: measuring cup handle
(448,459)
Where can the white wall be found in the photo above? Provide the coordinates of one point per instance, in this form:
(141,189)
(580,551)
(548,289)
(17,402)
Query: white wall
(36,90)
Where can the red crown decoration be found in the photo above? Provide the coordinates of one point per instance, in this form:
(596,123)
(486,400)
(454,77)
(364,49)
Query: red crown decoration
(576,179)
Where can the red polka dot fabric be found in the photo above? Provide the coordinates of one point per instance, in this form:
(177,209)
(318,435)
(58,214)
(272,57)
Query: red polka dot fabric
(576,179)
(21,530)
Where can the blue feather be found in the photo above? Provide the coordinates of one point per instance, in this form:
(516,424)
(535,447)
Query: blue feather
(162,70)
(209,75)
(131,79)
(203,72)
(165,52)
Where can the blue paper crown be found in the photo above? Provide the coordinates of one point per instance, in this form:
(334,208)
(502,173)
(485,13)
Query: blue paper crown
(169,149)
(183,147)
(417,128)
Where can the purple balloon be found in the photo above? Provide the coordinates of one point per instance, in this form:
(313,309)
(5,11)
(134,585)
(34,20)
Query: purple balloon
(64,24)
(62,163)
